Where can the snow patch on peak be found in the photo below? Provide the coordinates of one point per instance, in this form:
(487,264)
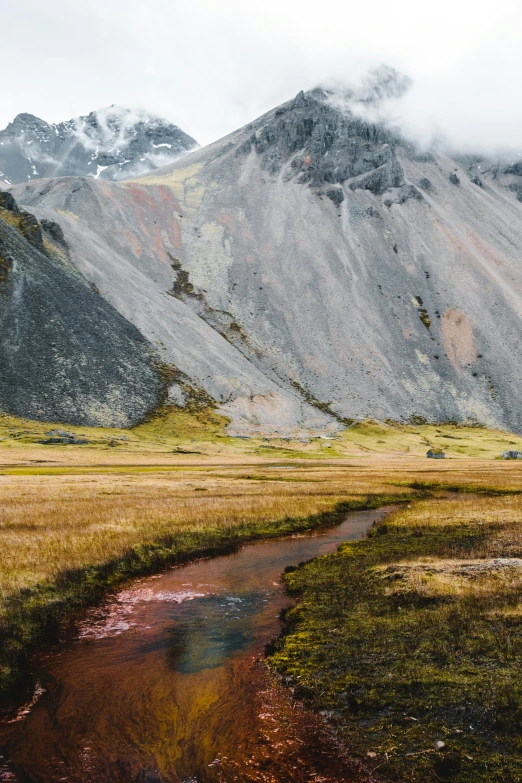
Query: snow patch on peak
(114,142)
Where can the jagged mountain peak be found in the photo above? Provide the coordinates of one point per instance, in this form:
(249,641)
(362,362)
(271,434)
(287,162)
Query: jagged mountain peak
(322,144)
(313,266)
(27,119)
(111,143)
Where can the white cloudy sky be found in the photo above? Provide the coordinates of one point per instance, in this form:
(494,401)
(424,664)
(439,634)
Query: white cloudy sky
(213,65)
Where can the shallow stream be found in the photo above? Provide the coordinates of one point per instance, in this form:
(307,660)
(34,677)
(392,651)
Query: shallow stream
(165,682)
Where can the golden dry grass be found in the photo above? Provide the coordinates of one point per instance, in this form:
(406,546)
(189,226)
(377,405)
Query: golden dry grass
(91,513)
(437,577)
(493,563)
(71,535)
(49,524)
(83,507)
(499,518)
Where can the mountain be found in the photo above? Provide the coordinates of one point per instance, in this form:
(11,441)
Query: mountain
(65,353)
(113,143)
(313,267)
(195,358)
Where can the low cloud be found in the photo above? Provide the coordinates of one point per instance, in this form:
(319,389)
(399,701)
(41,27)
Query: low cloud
(432,119)
(212,67)
(105,130)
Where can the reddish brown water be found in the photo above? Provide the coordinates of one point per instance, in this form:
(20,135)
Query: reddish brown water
(165,683)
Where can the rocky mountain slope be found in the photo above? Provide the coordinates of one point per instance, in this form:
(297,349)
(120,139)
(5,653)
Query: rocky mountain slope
(65,353)
(113,143)
(315,266)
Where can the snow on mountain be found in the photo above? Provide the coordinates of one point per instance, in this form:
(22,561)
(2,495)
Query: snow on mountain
(113,143)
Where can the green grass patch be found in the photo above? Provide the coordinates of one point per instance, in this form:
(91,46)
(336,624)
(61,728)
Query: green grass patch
(168,427)
(456,440)
(201,429)
(413,637)
(451,486)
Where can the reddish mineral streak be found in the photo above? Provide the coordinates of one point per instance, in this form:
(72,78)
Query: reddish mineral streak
(165,683)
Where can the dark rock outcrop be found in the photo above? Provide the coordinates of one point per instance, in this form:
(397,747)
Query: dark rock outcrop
(24,222)
(54,232)
(513,168)
(61,437)
(336,195)
(65,353)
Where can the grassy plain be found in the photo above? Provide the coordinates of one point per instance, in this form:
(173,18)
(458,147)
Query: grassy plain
(68,506)
(76,520)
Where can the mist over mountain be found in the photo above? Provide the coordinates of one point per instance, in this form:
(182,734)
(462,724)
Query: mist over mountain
(314,266)
(113,143)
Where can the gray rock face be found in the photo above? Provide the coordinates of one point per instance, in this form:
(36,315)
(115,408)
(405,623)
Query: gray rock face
(111,143)
(314,265)
(505,174)
(125,239)
(65,353)
(325,146)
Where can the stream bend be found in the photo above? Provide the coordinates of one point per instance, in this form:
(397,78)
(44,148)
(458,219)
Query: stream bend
(164,682)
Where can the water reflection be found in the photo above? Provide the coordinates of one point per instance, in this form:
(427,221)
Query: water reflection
(211,630)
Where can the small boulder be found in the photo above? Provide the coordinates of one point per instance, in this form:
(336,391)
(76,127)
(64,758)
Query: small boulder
(57,437)
(336,195)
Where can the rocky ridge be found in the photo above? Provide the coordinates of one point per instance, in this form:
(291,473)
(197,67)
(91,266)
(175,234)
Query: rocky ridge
(113,143)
